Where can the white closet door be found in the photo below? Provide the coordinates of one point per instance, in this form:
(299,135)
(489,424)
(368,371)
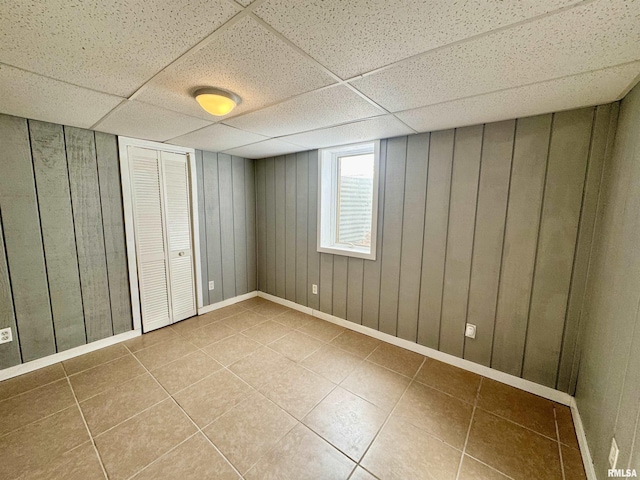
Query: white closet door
(150,238)
(175,172)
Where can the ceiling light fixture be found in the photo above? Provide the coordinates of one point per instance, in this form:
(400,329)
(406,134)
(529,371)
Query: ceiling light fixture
(216,101)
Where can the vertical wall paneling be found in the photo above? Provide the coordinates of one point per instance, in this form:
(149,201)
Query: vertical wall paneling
(56,222)
(326,283)
(280,172)
(412,235)
(87,214)
(239,225)
(9,352)
(313,258)
(531,146)
(340,285)
(495,172)
(227,243)
(355,280)
(302,216)
(250,217)
(202,222)
(261,224)
(212,225)
(557,239)
(392,234)
(271,224)
(371,287)
(462,212)
(114,239)
(436,221)
(290,227)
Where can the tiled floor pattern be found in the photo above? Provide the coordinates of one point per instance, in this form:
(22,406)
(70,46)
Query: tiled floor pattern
(258,391)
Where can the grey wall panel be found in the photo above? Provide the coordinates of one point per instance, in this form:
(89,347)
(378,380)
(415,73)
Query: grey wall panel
(412,235)
(56,221)
(271,224)
(436,220)
(87,215)
(250,216)
(227,243)
(392,234)
(340,285)
(281,272)
(325,289)
(239,225)
(302,217)
(9,352)
(212,225)
(355,282)
(290,228)
(202,234)
(313,257)
(114,239)
(23,243)
(261,224)
(556,245)
(489,234)
(529,166)
(462,211)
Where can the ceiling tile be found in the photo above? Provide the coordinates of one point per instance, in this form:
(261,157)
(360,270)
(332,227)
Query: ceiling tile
(589,37)
(372,129)
(323,108)
(216,138)
(148,122)
(246,59)
(356,36)
(29,95)
(268,148)
(593,88)
(108,45)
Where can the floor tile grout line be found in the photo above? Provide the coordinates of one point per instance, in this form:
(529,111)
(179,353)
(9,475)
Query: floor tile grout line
(466,440)
(163,455)
(555,420)
(489,466)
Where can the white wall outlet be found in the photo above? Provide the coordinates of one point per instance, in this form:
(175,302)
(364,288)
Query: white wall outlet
(6,335)
(470,331)
(211,285)
(314,289)
(613,453)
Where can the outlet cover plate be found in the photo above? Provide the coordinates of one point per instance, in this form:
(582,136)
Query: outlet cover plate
(5,335)
(211,285)
(470,330)
(314,289)
(613,453)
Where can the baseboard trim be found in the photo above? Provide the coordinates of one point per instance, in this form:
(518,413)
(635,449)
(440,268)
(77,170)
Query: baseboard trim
(227,302)
(27,367)
(582,441)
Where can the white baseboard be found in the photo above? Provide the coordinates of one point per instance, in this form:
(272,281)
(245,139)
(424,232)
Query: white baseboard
(66,355)
(582,442)
(227,302)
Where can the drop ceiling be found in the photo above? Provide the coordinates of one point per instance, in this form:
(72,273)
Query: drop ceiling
(311,73)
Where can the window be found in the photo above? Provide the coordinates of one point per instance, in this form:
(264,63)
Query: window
(348,200)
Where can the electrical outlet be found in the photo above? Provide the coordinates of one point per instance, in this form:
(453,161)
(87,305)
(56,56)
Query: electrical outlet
(6,335)
(470,331)
(613,453)
(314,289)
(211,285)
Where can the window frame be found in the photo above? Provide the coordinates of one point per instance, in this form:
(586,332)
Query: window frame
(328,192)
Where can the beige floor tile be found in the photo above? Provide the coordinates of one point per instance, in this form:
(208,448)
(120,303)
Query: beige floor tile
(98,379)
(296,345)
(449,379)
(214,332)
(402,451)
(95,358)
(437,413)
(244,320)
(293,319)
(248,431)
(260,366)
(29,381)
(474,470)
(232,349)
(573,466)
(376,384)
(134,444)
(518,406)
(166,352)
(302,455)
(297,390)
(33,447)
(270,309)
(355,343)
(151,338)
(81,463)
(267,332)
(361,474)
(566,428)
(228,311)
(185,371)
(400,360)
(117,404)
(346,421)
(322,330)
(184,327)
(253,302)
(194,459)
(35,404)
(206,400)
(332,363)
(512,449)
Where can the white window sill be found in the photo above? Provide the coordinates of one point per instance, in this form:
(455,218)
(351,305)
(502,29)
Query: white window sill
(354,252)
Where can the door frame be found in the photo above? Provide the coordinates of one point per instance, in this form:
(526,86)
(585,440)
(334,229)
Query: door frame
(132,258)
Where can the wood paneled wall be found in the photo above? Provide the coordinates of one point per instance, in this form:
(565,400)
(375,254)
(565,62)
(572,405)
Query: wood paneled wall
(63,267)
(488,224)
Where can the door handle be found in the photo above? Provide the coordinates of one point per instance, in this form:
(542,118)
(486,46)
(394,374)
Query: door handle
(181,254)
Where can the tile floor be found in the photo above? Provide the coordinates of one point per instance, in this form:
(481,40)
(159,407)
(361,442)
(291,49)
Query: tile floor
(258,391)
